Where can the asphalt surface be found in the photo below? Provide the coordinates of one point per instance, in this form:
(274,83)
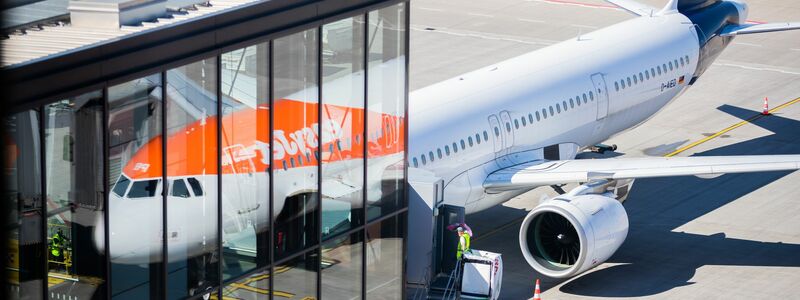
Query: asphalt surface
(735,236)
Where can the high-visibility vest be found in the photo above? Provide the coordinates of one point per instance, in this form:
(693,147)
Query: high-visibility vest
(463,245)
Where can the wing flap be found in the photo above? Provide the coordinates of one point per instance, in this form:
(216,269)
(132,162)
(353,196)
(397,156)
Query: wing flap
(758,28)
(570,171)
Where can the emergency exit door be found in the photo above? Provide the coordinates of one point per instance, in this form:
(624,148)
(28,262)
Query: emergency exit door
(501,138)
(599,82)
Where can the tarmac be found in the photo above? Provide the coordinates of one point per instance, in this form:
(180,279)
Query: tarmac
(735,236)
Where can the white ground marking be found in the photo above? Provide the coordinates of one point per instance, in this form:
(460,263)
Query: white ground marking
(486,36)
(429,9)
(770,69)
(540,21)
(480,15)
(748,44)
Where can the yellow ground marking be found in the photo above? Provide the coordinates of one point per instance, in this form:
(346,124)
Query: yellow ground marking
(262,291)
(732,127)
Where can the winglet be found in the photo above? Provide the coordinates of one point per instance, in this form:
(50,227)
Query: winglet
(670,8)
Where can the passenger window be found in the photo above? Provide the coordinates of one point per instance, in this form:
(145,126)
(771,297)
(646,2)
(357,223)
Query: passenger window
(537,116)
(530,118)
(496,131)
(516,124)
(416,164)
(670,66)
(641,78)
(424,162)
(291,161)
(635,81)
(300,159)
(653,72)
(665,68)
(284,165)
(508,127)
(659,70)
(469,139)
(676,64)
(572,103)
(524,122)
(584,97)
(687,59)
(430,156)
(143,188)
(439,152)
(564,104)
(179,189)
(591,96)
(544,112)
(622,83)
(463,146)
(646,75)
(196,187)
(616,86)
(455,148)
(681,61)
(447,150)
(485,136)
(629,81)
(558,108)
(478,137)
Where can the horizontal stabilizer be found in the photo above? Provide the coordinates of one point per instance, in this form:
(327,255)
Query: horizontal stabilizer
(634,7)
(543,173)
(758,28)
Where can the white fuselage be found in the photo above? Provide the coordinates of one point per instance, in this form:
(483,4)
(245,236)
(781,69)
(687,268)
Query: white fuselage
(510,94)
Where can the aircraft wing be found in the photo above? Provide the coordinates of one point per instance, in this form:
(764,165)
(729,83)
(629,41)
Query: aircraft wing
(542,173)
(634,7)
(758,28)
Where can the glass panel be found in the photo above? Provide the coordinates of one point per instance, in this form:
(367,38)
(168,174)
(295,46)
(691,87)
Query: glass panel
(386,108)
(134,158)
(245,159)
(295,113)
(342,125)
(22,179)
(341,267)
(192,153)
(385,258)
(74,169)
(255,286)
(297,278)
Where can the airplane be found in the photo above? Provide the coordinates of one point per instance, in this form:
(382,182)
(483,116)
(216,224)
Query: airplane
(490,134)
(519,124)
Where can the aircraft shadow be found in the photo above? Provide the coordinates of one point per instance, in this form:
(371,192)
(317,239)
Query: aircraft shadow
(656,207)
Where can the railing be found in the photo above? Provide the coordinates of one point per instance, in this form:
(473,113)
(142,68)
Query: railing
(451,289)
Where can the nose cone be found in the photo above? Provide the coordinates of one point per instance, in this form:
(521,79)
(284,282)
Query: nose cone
(742,8)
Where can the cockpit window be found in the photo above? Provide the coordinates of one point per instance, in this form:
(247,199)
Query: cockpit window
(121,185)
(143,188)
(179,189)
(196,187)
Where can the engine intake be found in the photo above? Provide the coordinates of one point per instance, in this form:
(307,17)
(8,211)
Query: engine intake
(568,235)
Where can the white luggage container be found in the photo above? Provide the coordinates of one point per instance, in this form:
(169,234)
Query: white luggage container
(482,276)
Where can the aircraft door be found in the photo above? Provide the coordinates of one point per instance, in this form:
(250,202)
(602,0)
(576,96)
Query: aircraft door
(508,130)
(499,137)
(602,95)
(238,161)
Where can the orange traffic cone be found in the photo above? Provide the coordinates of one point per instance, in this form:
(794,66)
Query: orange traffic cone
(766,106)
(536,292)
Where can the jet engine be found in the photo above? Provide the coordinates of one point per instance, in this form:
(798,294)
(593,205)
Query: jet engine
(567,235)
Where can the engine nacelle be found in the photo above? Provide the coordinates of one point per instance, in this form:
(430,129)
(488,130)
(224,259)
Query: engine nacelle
(568,235)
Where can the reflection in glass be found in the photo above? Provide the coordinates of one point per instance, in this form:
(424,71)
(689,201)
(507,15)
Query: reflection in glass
(255,286)
(386,108)
(192,155)
(74,169)
(341,267)
(245,159)
(134,159)
(342,125)
(297,278)
(295,143)
(23,201)
(385,258)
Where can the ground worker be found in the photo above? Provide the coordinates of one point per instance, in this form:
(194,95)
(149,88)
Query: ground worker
(463,242)
(57,246)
